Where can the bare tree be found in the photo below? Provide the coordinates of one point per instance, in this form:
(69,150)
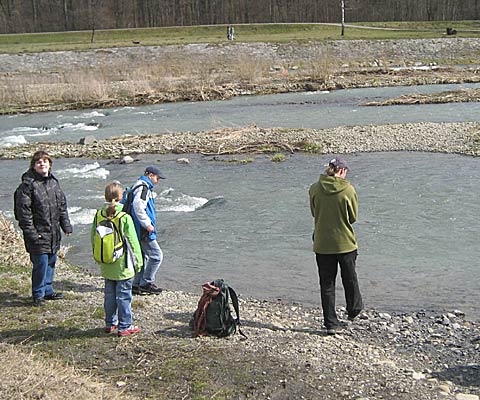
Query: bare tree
(65,14)
(34,14)
(342,4)
(92,5)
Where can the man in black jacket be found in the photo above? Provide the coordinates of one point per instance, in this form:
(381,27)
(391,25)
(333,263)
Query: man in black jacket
(41,210)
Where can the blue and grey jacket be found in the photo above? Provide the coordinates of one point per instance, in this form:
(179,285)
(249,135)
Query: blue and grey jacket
(143,209)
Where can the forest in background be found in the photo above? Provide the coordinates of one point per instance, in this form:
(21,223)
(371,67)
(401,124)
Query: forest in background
(22,16)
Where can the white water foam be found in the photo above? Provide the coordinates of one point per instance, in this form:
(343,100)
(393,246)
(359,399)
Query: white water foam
(18,135)
(84,171)
(8,214)
(93,196)
(123,108)
(11,141)
(92,114)
(317,92)
(81,216)
(169,201)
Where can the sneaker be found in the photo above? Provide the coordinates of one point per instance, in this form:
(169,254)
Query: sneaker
(38,302)
(54,296)
(150,288)
(136,290)
(129,331)
(110,329)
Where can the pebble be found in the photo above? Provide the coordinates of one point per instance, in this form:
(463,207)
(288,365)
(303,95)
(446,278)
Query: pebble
(418,375)
(465,396)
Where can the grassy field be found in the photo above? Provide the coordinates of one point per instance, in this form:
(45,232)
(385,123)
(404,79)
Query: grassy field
(217,34)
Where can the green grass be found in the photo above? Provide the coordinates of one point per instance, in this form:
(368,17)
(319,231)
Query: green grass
(427,25)
(278,157)
(38,42)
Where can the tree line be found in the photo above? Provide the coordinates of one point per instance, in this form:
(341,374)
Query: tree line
(21,16)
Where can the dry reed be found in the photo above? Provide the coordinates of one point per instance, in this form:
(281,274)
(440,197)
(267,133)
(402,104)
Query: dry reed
(31,377)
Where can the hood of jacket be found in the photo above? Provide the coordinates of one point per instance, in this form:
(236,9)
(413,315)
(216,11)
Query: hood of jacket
(147,181)
(333,184)
(32,175)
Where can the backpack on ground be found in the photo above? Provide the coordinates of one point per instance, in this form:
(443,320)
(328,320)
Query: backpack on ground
(213,315)
(128,195)
(108,243)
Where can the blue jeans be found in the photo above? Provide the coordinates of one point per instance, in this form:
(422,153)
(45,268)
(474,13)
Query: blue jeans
(327,270)
(152,259)
(42,274)
(117,303)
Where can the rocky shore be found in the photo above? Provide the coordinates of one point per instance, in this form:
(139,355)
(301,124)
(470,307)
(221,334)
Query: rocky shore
(287,355)
(461,138)
(363,53)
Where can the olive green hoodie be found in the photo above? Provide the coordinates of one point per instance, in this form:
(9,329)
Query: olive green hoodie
(334,206)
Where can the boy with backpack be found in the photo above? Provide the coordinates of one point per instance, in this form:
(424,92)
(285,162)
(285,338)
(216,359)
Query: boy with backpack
(116,248)
(140,204)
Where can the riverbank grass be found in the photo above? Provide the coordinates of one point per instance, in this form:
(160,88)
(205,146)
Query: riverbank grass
(61,351)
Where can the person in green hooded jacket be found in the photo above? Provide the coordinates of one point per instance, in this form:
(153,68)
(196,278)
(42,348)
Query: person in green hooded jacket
(334,207)
(119,274)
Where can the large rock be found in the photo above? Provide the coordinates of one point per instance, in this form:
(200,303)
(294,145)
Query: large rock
(87,140)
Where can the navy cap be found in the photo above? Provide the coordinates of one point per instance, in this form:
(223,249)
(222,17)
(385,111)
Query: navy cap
(152,169)
(338,163)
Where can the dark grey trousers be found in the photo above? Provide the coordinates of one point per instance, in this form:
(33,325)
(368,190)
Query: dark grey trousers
(327,271)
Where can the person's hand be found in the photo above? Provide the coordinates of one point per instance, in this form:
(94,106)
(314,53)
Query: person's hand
(150,228)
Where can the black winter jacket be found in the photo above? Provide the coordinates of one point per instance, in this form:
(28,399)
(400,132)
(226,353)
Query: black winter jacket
(41,210)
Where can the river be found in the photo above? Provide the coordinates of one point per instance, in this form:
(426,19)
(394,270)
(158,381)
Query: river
(290,110)
(251,225)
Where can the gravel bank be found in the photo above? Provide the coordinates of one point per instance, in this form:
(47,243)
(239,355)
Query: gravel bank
(367,52)
(461,138)
(288,355)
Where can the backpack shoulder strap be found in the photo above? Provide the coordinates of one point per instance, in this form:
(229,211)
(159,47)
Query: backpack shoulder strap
(99,216)
(234,297)
(119,215)
(145,186)
(127,205)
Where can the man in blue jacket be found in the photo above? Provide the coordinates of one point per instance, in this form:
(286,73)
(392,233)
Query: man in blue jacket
(145,217)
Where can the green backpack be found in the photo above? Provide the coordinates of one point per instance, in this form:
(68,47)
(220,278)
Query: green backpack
(108,243)
(213,315)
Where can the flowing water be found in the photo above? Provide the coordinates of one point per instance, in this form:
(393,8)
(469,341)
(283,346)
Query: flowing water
(251,223)
(291,110)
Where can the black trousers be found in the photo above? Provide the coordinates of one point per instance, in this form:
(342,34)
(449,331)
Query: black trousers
(327,271)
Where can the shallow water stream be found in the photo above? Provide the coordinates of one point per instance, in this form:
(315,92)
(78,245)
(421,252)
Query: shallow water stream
(251,224)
